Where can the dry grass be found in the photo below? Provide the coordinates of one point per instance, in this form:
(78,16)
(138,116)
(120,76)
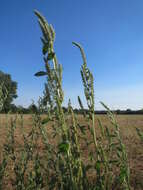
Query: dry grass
(127,123)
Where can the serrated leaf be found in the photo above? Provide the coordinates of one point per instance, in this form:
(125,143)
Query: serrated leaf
(40,73)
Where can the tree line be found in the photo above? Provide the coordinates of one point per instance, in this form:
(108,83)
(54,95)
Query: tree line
(9,87)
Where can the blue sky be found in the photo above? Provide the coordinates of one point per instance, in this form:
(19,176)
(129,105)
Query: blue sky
(111,33)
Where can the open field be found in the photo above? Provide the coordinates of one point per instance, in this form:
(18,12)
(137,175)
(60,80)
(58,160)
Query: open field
(127,123)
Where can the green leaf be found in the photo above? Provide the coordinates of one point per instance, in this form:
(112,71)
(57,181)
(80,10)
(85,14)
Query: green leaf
(114,144)
(44,121)
(40,73)
(63,147)
(119,154)
(98,166)
(119,149)
(82,128)
(50,56)
(140,133)
(113,161)
(45,48)
(113,136)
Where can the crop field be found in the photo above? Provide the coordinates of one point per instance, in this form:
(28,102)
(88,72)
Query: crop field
(127,123)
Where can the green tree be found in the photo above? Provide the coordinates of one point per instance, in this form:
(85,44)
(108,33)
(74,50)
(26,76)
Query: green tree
(9,87)
(32,108)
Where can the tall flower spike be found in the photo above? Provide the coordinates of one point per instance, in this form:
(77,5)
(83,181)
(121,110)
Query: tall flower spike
(82,52)
(87,79)
(44,26)
(52,32)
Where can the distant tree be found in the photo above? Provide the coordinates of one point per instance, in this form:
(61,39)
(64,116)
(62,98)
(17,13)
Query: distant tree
(118,111)
(128,111)
(65,109)
(13,108)
(76,111)
(32,108)
(9,87)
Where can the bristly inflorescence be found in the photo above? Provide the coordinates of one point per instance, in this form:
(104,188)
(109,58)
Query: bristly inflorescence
(47,30)
(53,71)
(87,79)
(70,172)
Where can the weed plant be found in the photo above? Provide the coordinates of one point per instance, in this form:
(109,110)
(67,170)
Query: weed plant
(60,163)
(140,134)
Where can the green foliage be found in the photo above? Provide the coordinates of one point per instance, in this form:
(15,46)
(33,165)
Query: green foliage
(140,134)
(9,88)
(69,162)
(32,108)
(3,95)
(61,162)
(40,73)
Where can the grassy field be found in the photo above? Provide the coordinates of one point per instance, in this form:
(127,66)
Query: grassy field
(127,123)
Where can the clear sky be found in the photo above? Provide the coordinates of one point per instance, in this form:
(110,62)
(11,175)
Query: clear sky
(111,33)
